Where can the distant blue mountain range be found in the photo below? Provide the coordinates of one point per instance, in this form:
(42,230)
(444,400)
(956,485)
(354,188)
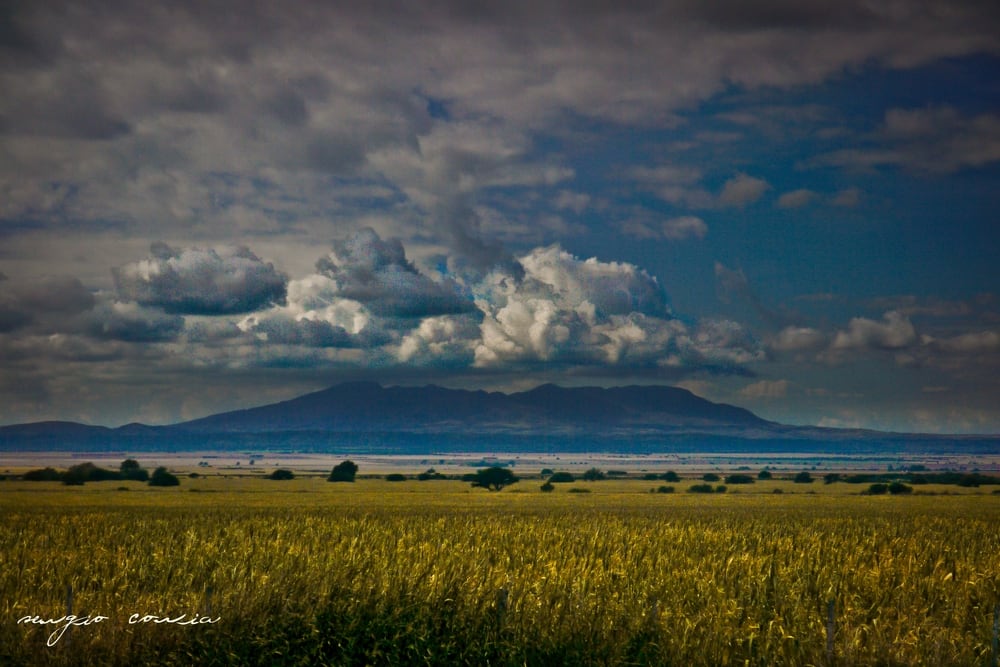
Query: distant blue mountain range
(371,418)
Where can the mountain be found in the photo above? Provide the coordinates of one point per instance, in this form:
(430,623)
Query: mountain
(366,417)
(371,407)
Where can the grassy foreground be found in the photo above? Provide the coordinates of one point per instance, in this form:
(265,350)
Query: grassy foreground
(306,572)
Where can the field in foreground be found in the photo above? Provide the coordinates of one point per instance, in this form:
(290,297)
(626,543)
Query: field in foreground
(307,572)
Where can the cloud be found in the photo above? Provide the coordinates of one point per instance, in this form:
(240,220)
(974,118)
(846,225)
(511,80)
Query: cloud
(766,389)
(132,323)
(376,273)
(689,226)
(742,190)
(672,229)
(586,312)
(848,198)
(446,340)
(933,139)
(44,300)
(796,198)
(201,281)
(894,332)
(798,339)
(676,184)
(979,342)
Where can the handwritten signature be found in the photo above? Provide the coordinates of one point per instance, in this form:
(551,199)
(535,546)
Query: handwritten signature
(70,620)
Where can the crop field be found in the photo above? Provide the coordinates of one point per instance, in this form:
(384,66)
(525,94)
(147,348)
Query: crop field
(233,571)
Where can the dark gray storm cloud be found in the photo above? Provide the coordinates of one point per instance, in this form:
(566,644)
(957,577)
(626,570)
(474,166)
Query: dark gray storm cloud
(376,273)
(201,281)
(52,298)
(131,323)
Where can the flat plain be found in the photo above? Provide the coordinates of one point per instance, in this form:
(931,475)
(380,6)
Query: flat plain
(305,571)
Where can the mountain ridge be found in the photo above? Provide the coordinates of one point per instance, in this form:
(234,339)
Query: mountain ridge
(411,419)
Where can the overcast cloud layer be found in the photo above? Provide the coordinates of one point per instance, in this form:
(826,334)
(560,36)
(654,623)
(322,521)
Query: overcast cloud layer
(789,206)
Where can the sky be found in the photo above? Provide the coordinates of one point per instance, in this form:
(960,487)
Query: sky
(788,206)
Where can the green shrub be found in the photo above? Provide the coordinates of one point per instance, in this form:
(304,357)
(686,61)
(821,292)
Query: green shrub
(710,477)
(547,487)
(578,489)
(429,474)
(721,488)
(282,474)
(161,477)
(670,476)
(739,479)
(803,478)
(562,478)
(897,488)
(42,475)
(700,488)
(343,472)
(764,474)
(831,477)
(593,475)
(664,489)
(130,469)
(878,489)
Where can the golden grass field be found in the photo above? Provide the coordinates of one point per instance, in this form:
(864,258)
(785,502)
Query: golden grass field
(306,572)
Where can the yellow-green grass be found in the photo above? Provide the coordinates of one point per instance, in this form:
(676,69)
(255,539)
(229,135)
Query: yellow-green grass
(376,572)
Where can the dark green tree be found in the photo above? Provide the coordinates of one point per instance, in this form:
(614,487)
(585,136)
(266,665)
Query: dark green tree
(593,475)
(161,477)
(130,469)
(343,472)
(494,478)
(282,474)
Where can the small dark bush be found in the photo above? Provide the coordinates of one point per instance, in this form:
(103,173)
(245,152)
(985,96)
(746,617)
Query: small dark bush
(803,478)
(650,476)
(617,473)
(562,478)
(161,477)
(710,477)
(395,477)
(593,475)
(831,477)
(193,475)
(739,479)
(878,489)
(764,474)
(721,488)
(777,491)
(43,475)
(670,476)
(897,488)
(546,472)
(547,487)
(130,469)
(429,474)
(88,472)
(282,474)
(664,489)
(577,489)
(700,488)
(343,472)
